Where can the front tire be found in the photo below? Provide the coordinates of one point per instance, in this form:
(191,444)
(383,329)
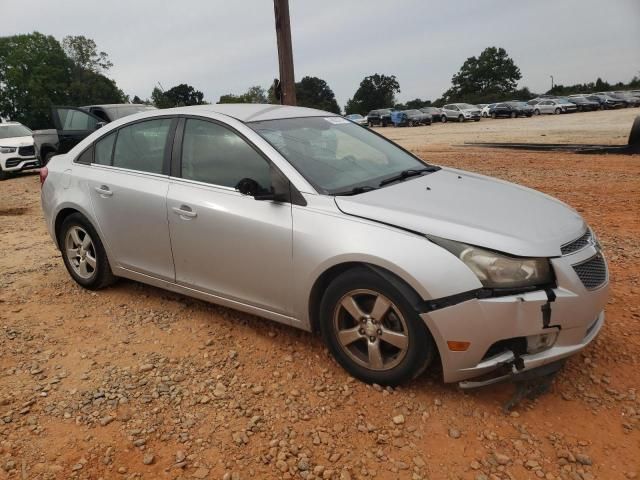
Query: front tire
(372,330)
(536,112)
(557,111)
(444,119)
(461,119)
(514,114)
(83,253)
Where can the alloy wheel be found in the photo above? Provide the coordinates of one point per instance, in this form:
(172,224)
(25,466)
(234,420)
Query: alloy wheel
(80,252)
(371,330)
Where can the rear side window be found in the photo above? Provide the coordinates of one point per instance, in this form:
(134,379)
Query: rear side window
(86,157)
(104,149)
(141,146)
(214,154)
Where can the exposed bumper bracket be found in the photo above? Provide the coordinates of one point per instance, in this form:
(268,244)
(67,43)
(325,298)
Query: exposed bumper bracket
(529,384)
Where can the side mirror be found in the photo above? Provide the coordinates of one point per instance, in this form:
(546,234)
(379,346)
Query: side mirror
(248,186)
(100,125)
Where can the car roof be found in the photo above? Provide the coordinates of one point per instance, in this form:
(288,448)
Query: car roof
(251,112)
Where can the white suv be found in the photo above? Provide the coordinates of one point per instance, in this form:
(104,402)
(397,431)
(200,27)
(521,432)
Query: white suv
(16,149)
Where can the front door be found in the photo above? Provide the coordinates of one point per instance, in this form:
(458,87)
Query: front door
(226,243)
(128,184)
(73,125)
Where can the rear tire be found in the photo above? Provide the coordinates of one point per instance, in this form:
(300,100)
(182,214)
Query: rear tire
(443,119)
(514,114)
(83,253)
(493,115)
(358,312)
(536,112)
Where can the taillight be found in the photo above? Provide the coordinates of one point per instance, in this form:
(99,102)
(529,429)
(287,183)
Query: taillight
(44,171)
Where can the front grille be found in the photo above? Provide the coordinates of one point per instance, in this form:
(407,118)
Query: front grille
(28,151)
(578,244)
(593,272)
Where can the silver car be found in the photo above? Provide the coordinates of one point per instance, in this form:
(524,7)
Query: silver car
(302,217)
(461,112)
(554,105)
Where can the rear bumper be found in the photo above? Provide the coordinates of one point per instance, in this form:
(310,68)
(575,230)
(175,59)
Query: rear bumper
(577,315)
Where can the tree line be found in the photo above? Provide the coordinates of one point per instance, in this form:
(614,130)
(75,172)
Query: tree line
(37,71)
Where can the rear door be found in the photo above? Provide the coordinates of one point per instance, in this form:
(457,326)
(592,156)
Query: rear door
(128,183)
(73,124)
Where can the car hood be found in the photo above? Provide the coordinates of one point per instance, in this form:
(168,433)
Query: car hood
(16,141)
(474,209)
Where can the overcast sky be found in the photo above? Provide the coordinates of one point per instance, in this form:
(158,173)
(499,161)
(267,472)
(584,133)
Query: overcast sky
(225,46)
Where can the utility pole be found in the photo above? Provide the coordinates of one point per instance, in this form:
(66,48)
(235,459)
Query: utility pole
(285,52)
(551,81)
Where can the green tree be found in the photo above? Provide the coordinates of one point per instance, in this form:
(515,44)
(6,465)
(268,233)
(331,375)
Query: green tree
(34,73)
(179,96)
(375,91)
(418,103)
(83,52)
(255,94)
(313,92)
(492,73)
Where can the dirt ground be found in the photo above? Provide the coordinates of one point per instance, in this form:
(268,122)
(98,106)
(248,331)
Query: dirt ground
(135,382)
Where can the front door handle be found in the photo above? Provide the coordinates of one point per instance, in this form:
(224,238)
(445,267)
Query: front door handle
(185,211)
(104,190)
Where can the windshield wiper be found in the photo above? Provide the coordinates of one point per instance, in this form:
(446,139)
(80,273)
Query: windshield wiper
(411,172)
(356,190)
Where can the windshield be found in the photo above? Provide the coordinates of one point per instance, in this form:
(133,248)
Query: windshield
(333,154)
(354,116)
(466,106)
(12,131)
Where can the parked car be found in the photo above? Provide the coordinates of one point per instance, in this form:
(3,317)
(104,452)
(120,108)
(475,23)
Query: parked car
(632,100)
(625,101)
(460,112)
(511,109)
(16,149)
(381,117)
(357,118)
(436,113)
(302,217)
(583,104)
(607,102)
(486,110)
(554,106)
(410,118)
(72,124)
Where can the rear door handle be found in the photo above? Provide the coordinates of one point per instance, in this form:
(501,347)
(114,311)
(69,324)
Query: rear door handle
(185,211)
(104,190)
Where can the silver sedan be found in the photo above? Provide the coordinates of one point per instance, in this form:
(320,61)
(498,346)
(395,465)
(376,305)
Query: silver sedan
(302,217)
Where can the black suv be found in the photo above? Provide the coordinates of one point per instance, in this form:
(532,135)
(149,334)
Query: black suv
(381,117)
(72,124)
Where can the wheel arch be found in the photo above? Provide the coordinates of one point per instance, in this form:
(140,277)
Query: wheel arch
(325,279)
(64,213)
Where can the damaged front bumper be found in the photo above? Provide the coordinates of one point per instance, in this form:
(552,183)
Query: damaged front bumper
(513,334)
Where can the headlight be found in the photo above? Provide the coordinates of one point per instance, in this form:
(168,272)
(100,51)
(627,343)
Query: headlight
(496,270)
(8,149)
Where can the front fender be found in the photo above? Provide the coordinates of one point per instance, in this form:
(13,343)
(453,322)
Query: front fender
(324,238)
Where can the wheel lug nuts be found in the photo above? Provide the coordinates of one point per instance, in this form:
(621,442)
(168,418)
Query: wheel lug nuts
(372,339)
(379,332)
(361,331)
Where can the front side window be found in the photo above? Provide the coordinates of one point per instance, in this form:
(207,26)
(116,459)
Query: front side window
(141,146)
(104,149)
(72,119)
(335,155)
(215,154)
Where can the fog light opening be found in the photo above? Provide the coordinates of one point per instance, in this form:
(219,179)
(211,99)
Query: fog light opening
(539,343)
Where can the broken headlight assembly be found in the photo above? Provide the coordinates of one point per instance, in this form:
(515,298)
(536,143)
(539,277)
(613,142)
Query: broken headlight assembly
(496,270)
